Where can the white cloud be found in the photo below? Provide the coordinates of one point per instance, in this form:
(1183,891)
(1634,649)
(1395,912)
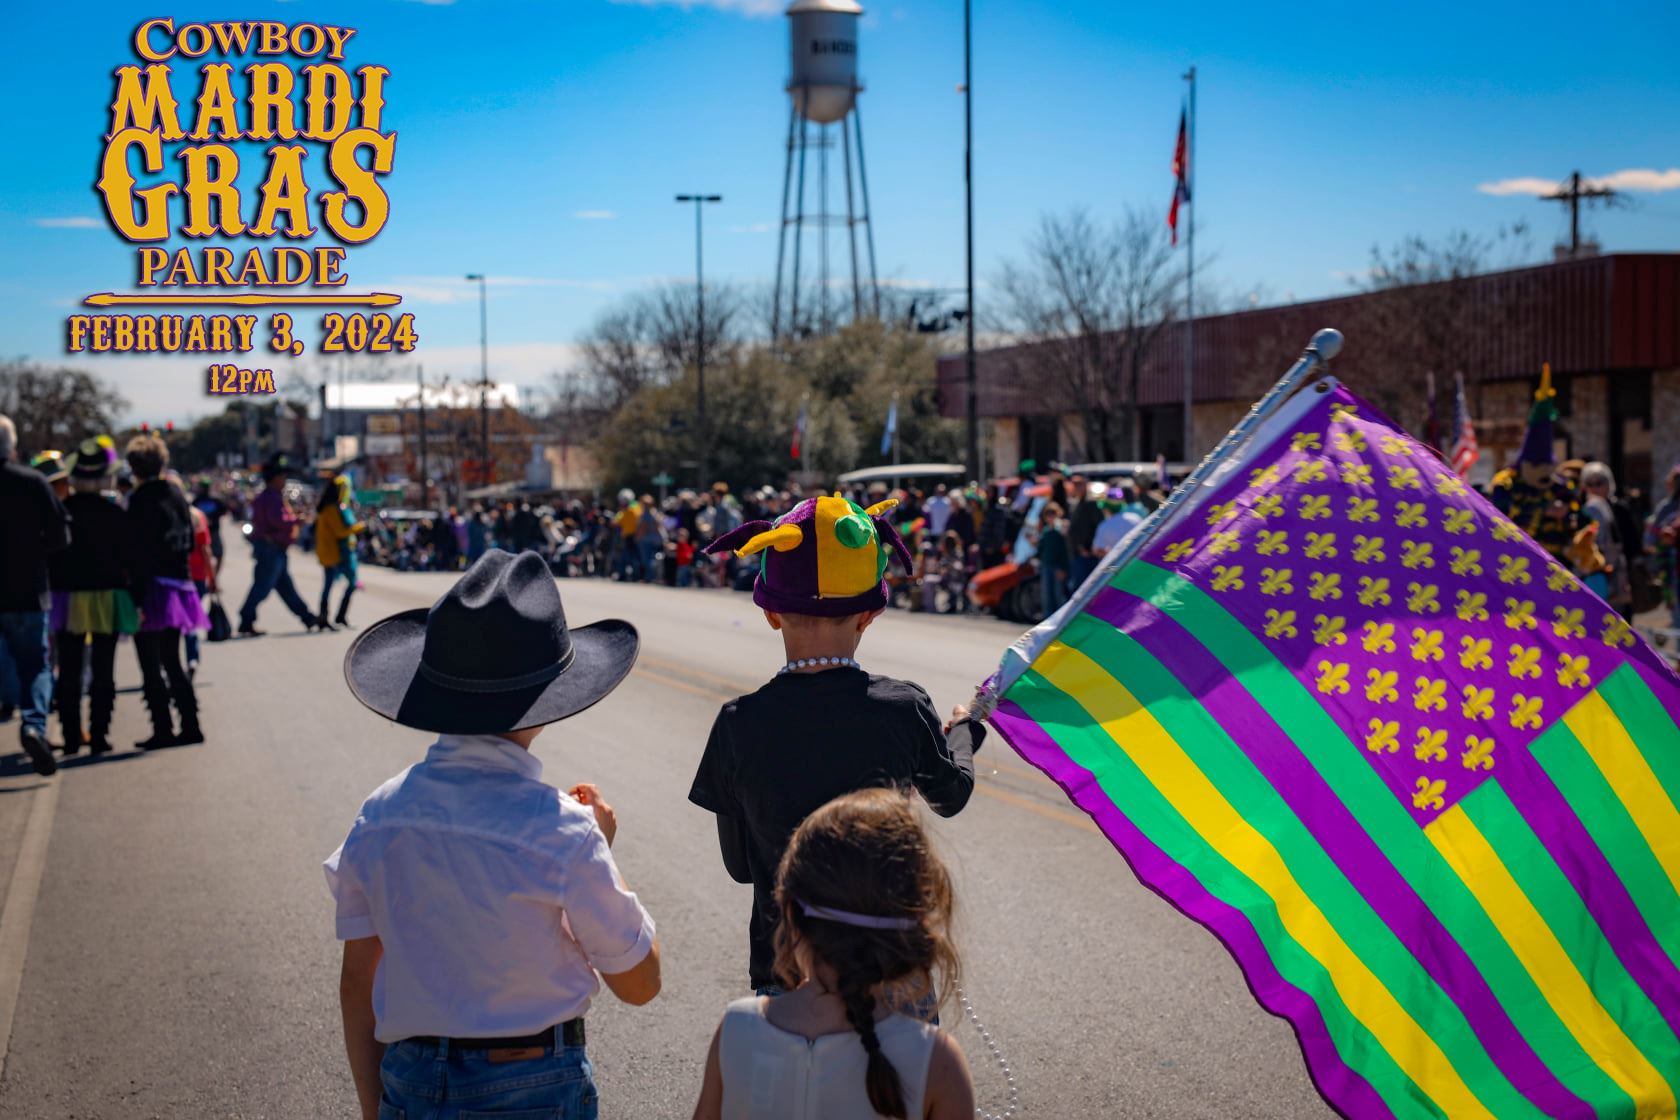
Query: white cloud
(69,223)
(595,215)
(1642,179)
(1632,179)
(756,227)
(757,9)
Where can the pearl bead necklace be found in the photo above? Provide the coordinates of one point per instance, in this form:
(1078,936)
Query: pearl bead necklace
(818,663)
(997,1056)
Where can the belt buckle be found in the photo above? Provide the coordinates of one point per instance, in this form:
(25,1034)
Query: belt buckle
(514,1054)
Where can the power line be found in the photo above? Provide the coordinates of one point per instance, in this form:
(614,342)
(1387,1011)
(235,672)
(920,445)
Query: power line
(1571,195)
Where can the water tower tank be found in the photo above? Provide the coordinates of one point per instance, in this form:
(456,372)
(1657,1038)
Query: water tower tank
(823,78)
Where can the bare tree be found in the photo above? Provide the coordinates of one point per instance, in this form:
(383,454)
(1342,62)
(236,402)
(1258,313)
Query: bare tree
(1094,300)
(1429,308)
(652,337)
(56,407)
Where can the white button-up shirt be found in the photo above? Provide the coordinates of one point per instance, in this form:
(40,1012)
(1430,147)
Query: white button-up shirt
(494,896)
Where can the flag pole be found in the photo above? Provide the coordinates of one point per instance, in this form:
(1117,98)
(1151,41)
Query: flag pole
(1190,275)
(1325,345)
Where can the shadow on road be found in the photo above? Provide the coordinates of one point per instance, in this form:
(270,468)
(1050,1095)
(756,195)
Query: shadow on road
(17,765)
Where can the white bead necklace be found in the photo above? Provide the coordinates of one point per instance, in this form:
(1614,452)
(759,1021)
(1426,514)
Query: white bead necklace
(997,1056)
(818,663)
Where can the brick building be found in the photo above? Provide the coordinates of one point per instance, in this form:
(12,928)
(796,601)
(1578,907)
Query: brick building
(1609,326)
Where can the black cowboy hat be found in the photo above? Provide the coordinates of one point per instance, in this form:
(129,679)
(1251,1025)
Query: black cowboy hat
(492,655)
(277,464)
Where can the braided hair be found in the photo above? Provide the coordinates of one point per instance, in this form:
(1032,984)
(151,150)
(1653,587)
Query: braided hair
(867,853)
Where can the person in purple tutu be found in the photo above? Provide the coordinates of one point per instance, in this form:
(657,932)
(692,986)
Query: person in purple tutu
(161,541)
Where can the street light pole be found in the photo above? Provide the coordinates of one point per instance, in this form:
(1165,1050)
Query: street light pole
(486,470)
(974,465)
(700,335)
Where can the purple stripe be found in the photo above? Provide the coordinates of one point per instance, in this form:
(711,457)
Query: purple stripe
(1571,847)
(1344,841)
(1342,1088)
(1663,682)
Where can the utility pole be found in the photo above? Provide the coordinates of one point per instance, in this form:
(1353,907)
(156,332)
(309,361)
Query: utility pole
(487,471)
(974,465)
(702,440)
(420,400)
(1190,276)
(1572,196)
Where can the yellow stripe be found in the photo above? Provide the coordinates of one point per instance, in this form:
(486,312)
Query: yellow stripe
(1464,847)
(1206,811)
(1625,768)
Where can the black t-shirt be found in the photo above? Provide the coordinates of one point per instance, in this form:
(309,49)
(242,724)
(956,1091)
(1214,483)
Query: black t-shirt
(32,525)
(778,754)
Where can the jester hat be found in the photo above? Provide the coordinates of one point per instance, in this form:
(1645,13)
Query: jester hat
(825,557)
(1537,438)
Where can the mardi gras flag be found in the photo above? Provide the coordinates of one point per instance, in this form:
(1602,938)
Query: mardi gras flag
(1419,781)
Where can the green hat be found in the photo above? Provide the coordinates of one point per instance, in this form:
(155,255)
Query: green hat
(51,464)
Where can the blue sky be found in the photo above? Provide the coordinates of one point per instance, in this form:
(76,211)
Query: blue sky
(541,143)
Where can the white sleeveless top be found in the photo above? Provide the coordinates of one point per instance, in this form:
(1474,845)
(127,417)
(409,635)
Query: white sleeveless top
(772,1074)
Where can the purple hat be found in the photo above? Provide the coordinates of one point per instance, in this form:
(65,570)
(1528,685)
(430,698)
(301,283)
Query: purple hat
(1537,438)
(825,557)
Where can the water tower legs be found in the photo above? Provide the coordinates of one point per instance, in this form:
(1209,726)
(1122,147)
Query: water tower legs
(781,228)
(868,223)
(851,222)
(795,221)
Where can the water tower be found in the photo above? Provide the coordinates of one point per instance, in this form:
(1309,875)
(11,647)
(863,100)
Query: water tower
(822,104)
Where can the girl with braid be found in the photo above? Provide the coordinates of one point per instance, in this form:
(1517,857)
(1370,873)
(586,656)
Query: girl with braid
(865,926)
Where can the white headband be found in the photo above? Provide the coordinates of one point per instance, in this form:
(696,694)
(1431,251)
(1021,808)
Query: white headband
(863,921)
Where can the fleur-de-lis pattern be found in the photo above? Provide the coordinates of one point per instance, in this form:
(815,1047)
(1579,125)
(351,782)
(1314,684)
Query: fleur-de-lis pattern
(1413,612)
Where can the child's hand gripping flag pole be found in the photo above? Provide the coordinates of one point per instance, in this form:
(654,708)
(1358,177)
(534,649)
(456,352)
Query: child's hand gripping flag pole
(1422,783)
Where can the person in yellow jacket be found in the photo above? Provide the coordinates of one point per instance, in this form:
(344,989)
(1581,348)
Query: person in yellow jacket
(335,546)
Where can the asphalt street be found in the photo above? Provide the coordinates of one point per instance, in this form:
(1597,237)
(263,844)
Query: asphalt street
(174,933)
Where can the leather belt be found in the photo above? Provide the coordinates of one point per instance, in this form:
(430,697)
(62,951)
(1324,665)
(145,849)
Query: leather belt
(570,1033)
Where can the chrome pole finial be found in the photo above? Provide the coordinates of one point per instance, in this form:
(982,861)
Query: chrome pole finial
(1327,343)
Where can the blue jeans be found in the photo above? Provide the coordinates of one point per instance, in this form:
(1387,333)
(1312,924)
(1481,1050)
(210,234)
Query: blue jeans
(1052,586)
(24,636)
(649,551)
(9,691)
(438,1081)
(271,575)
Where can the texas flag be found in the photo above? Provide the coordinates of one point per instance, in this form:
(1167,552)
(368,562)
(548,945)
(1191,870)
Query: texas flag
(1181,175)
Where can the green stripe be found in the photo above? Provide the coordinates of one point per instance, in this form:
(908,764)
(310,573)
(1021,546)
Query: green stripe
(1606,820)
(1123,784)
(1538,875)
(1225,765)
(1658,737)
(1383,818)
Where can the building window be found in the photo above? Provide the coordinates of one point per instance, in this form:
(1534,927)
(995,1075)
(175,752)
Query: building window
(1041,439)
(1163,432)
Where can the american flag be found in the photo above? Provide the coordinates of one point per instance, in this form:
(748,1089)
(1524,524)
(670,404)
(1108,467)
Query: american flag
(1464,451)
(1181,174)
(798,431)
